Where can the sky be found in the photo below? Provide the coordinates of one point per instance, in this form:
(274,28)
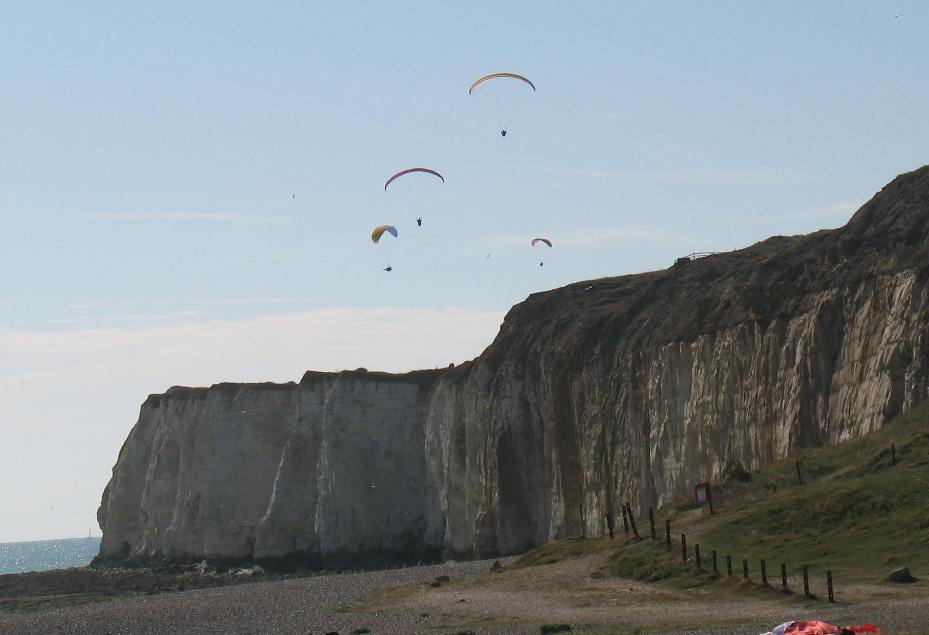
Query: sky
(187,190)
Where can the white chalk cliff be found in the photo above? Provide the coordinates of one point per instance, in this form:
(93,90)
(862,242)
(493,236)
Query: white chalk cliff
(627,388)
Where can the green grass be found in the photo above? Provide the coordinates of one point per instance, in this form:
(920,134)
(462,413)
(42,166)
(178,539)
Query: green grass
(648,561)
(857,514)
(565,549)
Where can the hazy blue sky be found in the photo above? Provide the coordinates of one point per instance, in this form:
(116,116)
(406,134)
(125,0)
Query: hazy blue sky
(187,189)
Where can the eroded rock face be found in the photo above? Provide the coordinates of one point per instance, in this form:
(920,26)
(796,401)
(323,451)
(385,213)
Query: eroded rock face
(352,477)
(322,470)
(618,389)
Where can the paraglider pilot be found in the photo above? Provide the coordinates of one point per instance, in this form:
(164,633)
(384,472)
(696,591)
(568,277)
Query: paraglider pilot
(419,221)
(503,133)
(388,268)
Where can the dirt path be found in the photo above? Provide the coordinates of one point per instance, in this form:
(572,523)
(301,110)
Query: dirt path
(567,593)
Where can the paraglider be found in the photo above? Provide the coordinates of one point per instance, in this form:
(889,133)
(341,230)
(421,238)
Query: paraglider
(419,219)
(541,241)
(378,232)
(500,76)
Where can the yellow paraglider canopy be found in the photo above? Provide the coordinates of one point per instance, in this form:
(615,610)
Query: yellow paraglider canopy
(378,231)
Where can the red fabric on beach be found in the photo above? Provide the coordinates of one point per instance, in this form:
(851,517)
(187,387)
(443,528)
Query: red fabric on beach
(811,627)
(816,627)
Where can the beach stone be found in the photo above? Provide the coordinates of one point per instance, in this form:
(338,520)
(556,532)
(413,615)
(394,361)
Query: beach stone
(253,570)
(901,575)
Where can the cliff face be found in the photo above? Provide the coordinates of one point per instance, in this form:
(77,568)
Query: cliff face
(617,389)
(240,471)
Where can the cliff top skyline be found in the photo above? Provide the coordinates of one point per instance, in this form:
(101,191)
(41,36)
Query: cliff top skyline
(187,192)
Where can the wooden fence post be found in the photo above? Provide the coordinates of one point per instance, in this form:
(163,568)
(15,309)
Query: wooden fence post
(799,474)
(583,522)
(625,521)
(697,554)
(651,520)
(829,585)
(667,533)
(764,574)
(745,569)
(684,547)
(609,524)
(806,582)
(635,528)
(893,453)
(784,577)
(729,565)
(715,566)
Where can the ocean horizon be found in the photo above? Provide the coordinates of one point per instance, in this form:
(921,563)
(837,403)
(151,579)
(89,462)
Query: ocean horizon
(44,555)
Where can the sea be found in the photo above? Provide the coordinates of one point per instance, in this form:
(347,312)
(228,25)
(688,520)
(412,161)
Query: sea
(42,555)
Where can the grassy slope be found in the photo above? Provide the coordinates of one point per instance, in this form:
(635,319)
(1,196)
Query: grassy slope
(857,514)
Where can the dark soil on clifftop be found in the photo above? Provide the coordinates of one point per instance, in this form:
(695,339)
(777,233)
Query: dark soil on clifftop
(761,283)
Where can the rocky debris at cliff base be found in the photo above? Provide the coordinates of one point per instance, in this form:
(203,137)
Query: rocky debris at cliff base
(317,604)
(734,472)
